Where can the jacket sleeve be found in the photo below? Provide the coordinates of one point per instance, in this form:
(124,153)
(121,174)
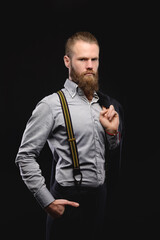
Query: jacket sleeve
(35,136)
(113,141)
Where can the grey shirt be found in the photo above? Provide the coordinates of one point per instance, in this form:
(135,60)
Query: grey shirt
(47,124)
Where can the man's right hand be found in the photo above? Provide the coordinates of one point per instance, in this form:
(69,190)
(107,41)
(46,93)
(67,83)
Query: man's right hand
(57,207)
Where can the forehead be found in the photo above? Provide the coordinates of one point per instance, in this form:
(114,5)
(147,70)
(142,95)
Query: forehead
(85,49)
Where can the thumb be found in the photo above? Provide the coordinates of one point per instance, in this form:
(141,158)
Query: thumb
(73,204)
(70,203)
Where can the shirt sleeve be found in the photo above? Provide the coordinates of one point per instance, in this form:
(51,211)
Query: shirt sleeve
(34,137)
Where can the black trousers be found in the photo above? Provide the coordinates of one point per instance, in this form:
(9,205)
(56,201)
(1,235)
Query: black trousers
(86,221)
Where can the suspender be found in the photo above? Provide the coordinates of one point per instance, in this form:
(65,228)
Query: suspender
(71,138)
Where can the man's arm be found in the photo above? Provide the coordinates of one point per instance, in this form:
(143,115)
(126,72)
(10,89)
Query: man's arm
(35,136)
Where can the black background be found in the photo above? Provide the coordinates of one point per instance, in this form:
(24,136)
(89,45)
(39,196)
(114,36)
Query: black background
(33,36)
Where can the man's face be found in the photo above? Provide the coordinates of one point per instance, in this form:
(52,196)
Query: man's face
(83,66)
(85,58)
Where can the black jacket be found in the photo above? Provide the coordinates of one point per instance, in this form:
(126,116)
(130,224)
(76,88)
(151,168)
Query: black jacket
(114,158)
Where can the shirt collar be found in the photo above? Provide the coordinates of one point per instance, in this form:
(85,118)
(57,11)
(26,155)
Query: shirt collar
(72,88)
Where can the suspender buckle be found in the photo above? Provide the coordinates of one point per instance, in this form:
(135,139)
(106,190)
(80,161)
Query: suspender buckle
(71,139)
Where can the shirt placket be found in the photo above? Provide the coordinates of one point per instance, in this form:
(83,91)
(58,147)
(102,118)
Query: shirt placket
(96,142)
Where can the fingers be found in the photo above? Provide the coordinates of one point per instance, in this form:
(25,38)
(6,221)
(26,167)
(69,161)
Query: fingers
(109,113)
(104,111)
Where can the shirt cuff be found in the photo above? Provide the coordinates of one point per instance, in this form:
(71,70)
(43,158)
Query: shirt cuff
(44,197)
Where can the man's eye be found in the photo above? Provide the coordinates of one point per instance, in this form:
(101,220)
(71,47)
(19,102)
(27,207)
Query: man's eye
(95,59)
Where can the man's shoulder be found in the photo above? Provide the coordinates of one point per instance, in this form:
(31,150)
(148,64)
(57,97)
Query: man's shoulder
(51,99)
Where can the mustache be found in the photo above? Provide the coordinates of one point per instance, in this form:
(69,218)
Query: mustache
(89,72)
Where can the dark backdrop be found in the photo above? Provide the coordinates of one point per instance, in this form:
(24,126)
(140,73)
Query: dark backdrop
(34,34)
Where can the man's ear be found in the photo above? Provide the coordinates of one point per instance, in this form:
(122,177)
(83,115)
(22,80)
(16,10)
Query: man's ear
(67,61)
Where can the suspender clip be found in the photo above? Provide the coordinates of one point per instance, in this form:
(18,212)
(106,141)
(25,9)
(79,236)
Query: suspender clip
(77,176)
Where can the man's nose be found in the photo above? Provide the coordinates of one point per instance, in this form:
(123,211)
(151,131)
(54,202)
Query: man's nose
(89,64)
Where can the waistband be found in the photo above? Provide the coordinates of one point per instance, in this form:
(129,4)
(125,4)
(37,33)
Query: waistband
(70,192)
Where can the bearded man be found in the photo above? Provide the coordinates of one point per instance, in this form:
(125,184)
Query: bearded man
(75,211)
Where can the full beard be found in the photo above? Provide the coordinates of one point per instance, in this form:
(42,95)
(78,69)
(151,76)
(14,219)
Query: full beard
(88,83)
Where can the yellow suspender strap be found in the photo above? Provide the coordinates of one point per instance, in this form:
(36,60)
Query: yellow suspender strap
(71,138)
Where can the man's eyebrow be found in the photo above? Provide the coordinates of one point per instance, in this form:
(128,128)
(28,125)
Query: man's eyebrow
(86,58)
(83,58)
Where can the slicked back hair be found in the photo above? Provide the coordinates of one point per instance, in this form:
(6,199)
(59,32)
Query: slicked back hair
(83,36)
